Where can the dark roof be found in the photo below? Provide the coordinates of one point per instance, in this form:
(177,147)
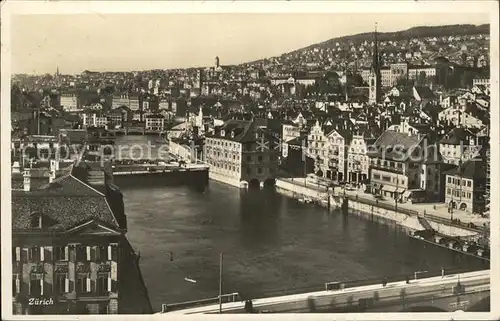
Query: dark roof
(459,135)
(394,145)
(472,169)
(424,92)
(75,135)
(67,203)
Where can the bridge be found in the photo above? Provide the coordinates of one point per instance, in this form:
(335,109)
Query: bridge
(455,292)
(140,169)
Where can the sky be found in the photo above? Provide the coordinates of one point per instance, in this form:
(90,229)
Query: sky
(125,42)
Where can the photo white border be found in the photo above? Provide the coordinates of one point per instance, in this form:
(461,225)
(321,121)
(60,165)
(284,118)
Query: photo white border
(10,8)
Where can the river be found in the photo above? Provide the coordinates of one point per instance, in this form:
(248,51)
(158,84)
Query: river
(271,244)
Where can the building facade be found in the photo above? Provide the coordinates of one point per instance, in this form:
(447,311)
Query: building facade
(68,247)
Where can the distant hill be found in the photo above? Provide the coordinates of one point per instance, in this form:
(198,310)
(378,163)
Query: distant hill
(415,32)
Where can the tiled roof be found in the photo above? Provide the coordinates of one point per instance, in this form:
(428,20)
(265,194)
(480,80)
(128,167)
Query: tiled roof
(472,169)
(394,145)
(67,202)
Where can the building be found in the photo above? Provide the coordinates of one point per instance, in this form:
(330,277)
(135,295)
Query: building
(466,114)
(481,81)
(289,132)
(460,145)
(403,164)
(120,100)
(414,72)
(466,186)
(358,162)
(69,251)
(69,102)
(95,120)
(398,71)
(155,122)
(243,153)
(326,144)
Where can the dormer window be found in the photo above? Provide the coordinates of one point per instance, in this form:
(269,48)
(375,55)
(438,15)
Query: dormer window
(232,134)
(222,132)
(36,220)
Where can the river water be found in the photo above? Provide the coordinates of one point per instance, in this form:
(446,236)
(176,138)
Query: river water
(272,244)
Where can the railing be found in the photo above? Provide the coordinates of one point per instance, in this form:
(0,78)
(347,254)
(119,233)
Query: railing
(359,289)
(406,211)
(232,297)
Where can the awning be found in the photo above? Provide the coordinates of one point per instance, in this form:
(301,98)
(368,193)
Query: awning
(407,193)
(389,188)
(400,190)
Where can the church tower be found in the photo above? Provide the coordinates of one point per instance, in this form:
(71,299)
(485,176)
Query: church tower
(374,79)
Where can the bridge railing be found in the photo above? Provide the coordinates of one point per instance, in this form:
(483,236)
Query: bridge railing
(231,297)
(345,284)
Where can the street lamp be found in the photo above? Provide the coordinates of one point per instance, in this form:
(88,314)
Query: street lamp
(220,282)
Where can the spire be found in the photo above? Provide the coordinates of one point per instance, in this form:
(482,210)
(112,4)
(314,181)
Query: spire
(376,60)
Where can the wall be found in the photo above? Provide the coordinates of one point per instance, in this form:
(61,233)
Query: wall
(182,151)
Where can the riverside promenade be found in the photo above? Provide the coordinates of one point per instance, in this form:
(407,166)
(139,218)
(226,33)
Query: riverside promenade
(405,214)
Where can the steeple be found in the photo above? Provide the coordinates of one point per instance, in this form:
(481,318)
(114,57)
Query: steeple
(375,78)
(376,60)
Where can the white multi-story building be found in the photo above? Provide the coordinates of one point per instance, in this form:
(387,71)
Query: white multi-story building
(327,146)
(94,120)
(481,81)
(358,162)
(154,122)
(69,102)
(459,145)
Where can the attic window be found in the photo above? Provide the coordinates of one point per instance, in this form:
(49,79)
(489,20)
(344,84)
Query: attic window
(36,220)
(222,132)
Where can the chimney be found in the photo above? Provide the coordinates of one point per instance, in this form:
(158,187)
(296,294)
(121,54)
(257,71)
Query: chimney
(27,180)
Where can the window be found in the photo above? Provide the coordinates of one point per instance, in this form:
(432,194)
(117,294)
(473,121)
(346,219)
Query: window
(62,282)
(259,158)
(448,191)
(34,254)
(259,170)
(16,254)
(83,283)
(103,283)
(81,253)
(469,183)
(468,195)
(463,194)
(100,253)
(36,284)
(16,284)
(61,253)
(249,158)
(423,171)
